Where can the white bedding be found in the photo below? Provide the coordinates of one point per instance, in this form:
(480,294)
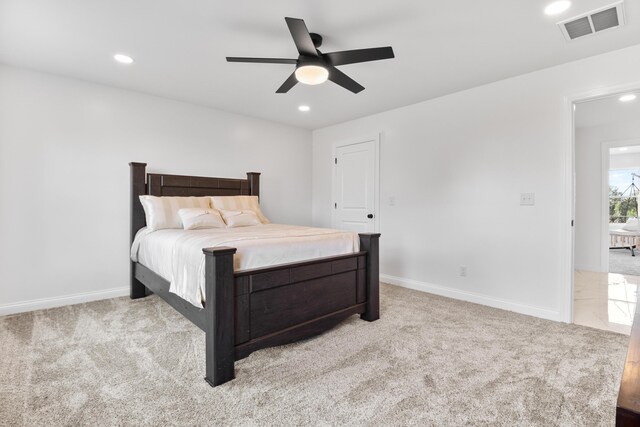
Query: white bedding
(176,254)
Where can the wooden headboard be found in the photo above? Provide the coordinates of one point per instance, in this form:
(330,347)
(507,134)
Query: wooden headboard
(182,185)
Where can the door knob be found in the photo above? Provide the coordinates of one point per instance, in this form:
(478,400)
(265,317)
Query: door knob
(370,216)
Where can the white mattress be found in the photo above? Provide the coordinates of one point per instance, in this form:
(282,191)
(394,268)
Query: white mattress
(176,255)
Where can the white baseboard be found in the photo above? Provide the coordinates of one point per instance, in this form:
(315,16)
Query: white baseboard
(43,303)
(472,297)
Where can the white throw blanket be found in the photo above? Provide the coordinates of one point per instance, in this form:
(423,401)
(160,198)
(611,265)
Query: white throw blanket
(176,255)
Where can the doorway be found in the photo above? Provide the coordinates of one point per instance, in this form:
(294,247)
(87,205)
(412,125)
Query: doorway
(607,229)
(356,181)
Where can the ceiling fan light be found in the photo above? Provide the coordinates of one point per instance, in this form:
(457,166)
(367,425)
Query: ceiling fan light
(312,74)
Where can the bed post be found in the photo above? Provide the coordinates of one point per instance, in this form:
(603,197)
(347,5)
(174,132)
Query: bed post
(138,187)
(254,183)
(219,310)
(370,242)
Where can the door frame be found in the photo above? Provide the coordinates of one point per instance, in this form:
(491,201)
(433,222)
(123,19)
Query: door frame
(567,231)
(376,190)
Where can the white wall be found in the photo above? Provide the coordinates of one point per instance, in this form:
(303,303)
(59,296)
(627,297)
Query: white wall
(457,165)
(588,154)
(64,177)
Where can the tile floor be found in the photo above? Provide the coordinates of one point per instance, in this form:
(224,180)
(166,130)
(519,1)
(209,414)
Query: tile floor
(605,300)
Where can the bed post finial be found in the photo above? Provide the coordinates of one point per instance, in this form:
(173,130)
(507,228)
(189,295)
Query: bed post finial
(254,183)
(138,187)
(370,242)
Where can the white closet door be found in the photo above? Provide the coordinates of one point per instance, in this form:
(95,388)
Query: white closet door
(355,187)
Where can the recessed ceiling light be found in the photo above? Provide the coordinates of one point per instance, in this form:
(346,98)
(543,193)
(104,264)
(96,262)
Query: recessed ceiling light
(123,59)
(627,98)
(304,108)
(557,7)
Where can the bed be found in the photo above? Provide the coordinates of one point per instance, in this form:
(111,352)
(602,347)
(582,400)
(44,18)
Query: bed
(622,238)
(249,309)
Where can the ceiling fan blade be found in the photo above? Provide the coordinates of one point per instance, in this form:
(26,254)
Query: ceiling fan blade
(262,60)
(301,37)
(359,55)
(340,78)
(288,84)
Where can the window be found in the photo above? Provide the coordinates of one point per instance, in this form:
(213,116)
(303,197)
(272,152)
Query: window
(623,194)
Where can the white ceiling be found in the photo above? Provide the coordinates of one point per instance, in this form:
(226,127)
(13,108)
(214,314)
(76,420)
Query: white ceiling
(180,47)
(607,111)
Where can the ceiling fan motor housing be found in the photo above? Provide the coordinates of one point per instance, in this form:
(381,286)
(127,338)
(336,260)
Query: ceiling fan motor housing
(304,61)
(316,39)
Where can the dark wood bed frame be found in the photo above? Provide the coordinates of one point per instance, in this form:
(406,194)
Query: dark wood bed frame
(253,309)
(628,406)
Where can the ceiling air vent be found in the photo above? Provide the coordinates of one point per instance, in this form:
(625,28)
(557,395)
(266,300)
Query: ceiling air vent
(604,18)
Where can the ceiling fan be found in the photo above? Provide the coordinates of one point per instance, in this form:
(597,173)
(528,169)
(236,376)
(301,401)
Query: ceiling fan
(314,67)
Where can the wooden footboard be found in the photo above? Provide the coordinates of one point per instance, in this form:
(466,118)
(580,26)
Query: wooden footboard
(254,309)
(282,304)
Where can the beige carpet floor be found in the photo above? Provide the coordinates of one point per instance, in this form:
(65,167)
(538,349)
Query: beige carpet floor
(428,361)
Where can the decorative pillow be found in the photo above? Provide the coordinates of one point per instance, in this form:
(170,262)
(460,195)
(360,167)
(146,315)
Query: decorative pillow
(196,218)
(239,203)
(240,218)
(162,212)
(632,225)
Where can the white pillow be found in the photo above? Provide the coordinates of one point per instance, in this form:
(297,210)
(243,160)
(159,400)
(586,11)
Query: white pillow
(162,212)
(197,218)
(240,218)
(632,225)
(239,203)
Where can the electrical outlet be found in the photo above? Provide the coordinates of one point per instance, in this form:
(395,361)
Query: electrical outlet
(527,199)
(392,200)
(463,271)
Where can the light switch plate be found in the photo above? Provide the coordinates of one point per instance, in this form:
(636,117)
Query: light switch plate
(527,199)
